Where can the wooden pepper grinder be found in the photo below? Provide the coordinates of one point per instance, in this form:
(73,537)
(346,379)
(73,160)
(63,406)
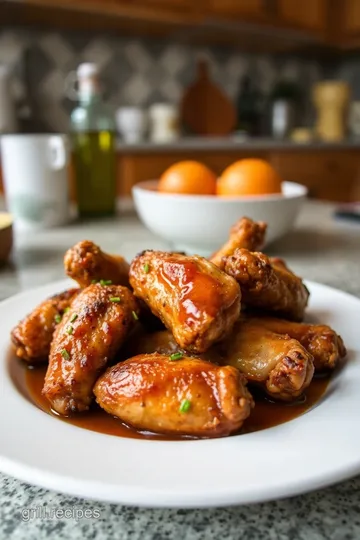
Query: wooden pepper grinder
(331,99)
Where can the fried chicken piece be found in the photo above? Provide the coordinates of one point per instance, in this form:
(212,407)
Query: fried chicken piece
(247,234)
(267,284)
(32,336)
(277,261)
(194,299)
(184,397)
(321,341)
(86,264)
(162,342)
(143,342)
(278,364)
(87,338)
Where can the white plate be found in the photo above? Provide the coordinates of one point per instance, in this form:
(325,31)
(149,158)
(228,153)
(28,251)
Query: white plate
(316,449)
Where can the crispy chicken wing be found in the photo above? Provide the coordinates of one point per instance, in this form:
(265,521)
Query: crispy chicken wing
(321,341)
(247,234)
(198,302)
(88,336)
(32,336)
(278,364)
(267,284)
(188,396)
(86,264)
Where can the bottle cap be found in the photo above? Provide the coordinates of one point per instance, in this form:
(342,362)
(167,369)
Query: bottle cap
(87,69)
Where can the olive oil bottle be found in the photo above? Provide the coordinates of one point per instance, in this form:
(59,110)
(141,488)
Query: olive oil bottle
(93,143)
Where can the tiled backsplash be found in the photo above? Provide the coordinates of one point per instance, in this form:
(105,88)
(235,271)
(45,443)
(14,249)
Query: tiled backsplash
(134,71)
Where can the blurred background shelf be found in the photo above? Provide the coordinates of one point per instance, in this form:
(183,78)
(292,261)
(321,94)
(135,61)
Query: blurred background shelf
(283,24)
(147,52)
(330,171)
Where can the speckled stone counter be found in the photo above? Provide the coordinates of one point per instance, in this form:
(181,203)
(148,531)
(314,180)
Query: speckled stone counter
(321,249)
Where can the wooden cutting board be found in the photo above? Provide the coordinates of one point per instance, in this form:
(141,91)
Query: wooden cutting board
(205,109)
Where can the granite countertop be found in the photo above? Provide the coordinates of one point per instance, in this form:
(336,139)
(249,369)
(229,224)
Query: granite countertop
(233,143)
(321,249)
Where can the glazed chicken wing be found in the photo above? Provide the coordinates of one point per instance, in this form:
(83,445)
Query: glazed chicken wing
(267,284)
(86,264)
(32,336)
(278,364)
(143,342)
(163,342)
(247,234)
(188,396)
(88,336)
(198,302)
(321,341)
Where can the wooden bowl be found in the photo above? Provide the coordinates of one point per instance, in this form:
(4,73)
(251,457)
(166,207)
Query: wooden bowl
(6,236)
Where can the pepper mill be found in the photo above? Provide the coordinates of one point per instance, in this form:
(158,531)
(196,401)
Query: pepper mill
(331,99)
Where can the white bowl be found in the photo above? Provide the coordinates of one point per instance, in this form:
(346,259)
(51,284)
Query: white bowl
(200,223)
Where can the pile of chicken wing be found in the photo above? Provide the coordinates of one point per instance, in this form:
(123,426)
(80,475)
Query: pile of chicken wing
(193,335)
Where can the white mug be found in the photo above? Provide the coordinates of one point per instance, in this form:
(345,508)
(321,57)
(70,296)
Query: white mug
(35,177)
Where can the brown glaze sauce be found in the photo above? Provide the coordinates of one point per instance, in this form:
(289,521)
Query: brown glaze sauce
(197,289)
(266,414)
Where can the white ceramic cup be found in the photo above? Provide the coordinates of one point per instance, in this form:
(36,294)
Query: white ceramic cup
(131,123)
(35,177)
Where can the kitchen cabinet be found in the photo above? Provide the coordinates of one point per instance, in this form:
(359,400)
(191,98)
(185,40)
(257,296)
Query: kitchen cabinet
(178,5)
(101,14)
(256,25)
(351,17)
(331,174)
(304,14)
(237,8)
(137,7)
(188,9)
(238,22)
(308,15)
(344,24)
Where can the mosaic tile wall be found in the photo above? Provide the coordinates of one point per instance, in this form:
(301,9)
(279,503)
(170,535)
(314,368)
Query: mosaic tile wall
(134,71)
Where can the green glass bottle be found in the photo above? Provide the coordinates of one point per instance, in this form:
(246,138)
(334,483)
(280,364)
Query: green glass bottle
(93,142)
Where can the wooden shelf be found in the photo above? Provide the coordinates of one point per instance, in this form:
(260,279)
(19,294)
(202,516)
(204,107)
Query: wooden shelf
(329,174)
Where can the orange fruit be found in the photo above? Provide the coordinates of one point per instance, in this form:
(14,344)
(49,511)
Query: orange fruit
(249,177)
(188,177)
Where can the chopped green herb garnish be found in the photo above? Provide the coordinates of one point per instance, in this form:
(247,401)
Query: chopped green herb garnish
(65,354)
(135,316)
(146,268)
(115,299)
(176,356)
(67,309)
(105,282)
(70,330)
(74,317)
(185,406)
(93,281)
(58,318)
